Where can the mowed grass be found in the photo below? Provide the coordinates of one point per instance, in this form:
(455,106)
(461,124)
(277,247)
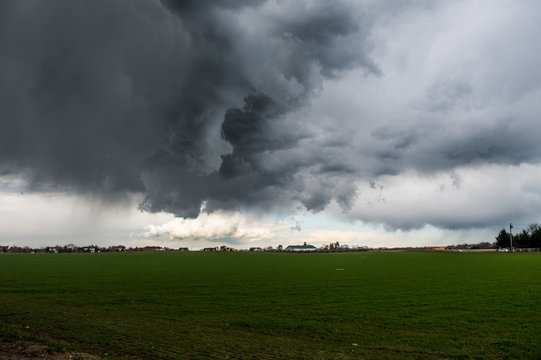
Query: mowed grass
(195,305)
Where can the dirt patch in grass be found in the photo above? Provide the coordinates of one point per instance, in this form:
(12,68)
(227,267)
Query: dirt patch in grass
(27,350)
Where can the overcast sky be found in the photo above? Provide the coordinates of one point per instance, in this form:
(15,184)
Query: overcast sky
(244,122)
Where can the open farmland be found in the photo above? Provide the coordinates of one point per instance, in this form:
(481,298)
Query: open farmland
(276,305)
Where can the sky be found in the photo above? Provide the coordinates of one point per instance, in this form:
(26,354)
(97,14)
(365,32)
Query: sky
(257,123)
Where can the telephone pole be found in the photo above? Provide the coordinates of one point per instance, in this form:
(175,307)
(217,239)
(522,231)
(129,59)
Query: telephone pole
(511,236)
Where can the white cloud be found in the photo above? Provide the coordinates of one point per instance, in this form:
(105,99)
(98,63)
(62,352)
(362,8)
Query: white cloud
(221,226)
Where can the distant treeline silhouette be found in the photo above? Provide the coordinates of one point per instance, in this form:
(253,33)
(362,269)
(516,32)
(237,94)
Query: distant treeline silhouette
(527,238)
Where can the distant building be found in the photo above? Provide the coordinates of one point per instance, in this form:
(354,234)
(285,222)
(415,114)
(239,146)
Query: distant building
(154,248)
(210,249)
(71,247)
(256,249)
(118,248)
(183,249)
(226,248)
(434,248)
(301,248)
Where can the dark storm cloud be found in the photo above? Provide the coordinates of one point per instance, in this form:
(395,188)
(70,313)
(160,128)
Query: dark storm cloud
(179,100)
(265,104)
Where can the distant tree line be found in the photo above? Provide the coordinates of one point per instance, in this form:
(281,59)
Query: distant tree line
(70,248)
(465,246)
(528,238)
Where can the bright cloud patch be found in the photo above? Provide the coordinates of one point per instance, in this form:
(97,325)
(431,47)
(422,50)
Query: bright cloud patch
(219,226)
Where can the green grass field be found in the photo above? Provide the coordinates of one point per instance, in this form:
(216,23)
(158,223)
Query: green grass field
(192,305)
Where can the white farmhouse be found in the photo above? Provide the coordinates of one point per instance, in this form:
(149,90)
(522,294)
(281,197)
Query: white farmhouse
(301,248)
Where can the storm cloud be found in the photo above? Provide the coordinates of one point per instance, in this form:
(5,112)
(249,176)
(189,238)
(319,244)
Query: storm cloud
(175,99)
(262,105)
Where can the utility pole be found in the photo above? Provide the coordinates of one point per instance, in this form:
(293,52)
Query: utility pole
(511,236)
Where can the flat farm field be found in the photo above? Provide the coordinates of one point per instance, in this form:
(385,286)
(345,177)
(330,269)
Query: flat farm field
(194,305)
